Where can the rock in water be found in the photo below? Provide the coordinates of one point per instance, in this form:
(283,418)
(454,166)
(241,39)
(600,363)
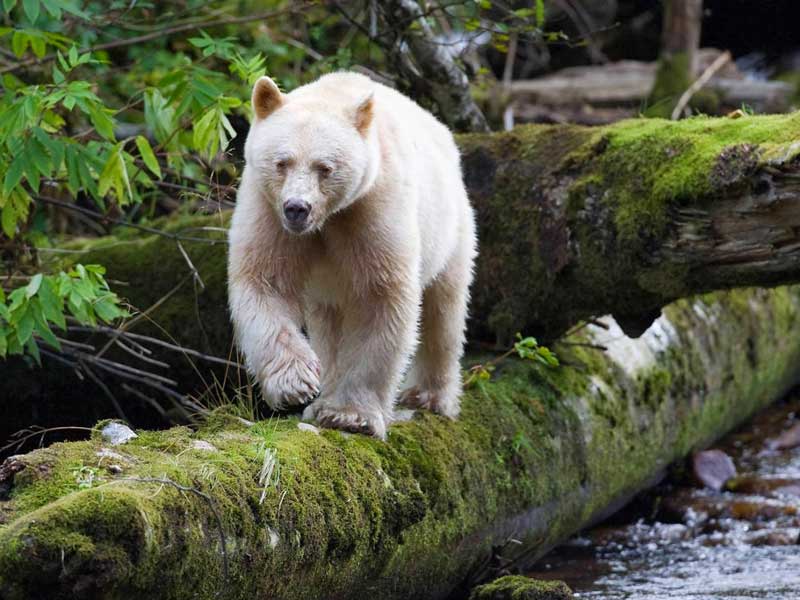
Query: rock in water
(519,587)
(713,468)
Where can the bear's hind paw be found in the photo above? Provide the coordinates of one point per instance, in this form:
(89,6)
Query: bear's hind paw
(437,401)
(346,418)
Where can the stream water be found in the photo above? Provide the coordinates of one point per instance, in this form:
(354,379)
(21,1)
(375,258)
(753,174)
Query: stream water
(681,541)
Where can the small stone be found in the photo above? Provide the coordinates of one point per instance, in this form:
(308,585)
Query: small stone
(713,468)
(116,469)
(117,434)
(308,427)
(203,446)
(274,538)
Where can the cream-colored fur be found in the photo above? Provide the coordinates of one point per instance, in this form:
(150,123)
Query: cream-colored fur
(381,268)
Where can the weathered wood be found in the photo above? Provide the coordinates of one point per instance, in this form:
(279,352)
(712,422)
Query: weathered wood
(602,94)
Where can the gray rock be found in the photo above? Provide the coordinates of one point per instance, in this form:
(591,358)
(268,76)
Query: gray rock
(117,434)
(713,468)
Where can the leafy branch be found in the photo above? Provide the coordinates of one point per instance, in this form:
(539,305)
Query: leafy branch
(526,348)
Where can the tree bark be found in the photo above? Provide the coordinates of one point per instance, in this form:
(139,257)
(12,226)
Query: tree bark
(273,511)
(429,66)
(680,41)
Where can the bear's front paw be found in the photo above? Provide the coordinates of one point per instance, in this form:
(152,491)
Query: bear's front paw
(290,381)
(348,417)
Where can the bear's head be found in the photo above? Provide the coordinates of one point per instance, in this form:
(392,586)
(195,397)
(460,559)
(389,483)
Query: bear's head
(311,156)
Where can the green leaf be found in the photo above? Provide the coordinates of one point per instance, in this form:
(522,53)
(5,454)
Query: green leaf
(203,136)
(8,220)
(13,175)
(9,4)
(73,176)
(38,46)
(107,309)
(33,285)
(146,152)
(102,122)
(41,327)
(25,326)
(52,304)
(53,7)
(115,175)
(19,42)
(540,16)
(33,350)
(37,154)
(31,8)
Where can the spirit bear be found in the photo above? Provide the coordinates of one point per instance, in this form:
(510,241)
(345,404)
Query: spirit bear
(352,222)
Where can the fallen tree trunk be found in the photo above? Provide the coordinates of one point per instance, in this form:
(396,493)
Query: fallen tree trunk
(272,511)
(599,94)
(573,222)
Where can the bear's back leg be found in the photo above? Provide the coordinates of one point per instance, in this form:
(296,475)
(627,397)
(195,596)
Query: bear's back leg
(435,377)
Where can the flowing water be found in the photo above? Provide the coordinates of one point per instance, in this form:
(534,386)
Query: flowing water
(680,541)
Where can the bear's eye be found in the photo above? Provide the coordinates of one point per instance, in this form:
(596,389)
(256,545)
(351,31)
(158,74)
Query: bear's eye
(282,164)
(324,170)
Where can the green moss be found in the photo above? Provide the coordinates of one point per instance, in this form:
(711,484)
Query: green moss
(517,587)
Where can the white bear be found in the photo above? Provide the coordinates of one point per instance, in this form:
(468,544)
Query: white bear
(352,221)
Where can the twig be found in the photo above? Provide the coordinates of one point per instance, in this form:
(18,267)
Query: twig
(683,101)
(143,314)
(195,274)
(141,356)
(162,343)
(23,435)
(582,345)
(145,398)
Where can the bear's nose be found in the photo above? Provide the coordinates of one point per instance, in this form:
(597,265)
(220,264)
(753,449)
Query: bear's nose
(296,211)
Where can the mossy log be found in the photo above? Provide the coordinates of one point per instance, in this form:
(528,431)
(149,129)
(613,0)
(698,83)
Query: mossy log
(275,511)
(573,222)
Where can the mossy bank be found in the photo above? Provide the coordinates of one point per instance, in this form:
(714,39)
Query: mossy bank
(274,511)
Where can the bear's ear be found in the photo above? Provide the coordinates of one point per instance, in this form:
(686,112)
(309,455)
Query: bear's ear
(266,98)
(362,117)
